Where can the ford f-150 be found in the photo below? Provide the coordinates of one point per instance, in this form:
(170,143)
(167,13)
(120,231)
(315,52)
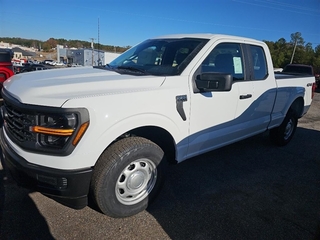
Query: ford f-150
(108,132)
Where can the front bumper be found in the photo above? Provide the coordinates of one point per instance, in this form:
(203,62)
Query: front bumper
(68,187)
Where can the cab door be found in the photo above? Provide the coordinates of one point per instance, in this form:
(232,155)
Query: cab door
(213,114)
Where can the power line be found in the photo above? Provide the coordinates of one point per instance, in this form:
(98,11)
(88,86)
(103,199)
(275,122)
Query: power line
(282,9)
(290,6)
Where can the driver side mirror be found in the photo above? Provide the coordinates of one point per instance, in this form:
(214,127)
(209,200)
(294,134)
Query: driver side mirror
(210,82)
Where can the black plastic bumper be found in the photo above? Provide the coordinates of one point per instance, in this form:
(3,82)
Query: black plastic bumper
(68,187)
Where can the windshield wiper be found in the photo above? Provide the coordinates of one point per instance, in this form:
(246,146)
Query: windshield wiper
(132,69)
(105,67)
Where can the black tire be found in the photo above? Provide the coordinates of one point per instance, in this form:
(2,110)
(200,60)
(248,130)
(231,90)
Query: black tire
(283,134)
(127,177)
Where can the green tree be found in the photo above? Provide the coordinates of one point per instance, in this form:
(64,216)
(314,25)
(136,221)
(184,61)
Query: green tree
(316,59)
(297,38)
(46,47)
(297,43)
(308,54)
(52,43)
(281,53)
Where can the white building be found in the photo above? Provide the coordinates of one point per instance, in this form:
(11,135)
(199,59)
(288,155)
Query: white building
(84,56)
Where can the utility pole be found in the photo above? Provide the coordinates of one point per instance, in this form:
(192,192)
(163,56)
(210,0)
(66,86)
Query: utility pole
(99,60)
(294,50)
(92,39)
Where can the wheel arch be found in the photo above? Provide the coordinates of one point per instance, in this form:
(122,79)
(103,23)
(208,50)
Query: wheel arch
(169,133)
(297,106)
(159,136)
(156,134)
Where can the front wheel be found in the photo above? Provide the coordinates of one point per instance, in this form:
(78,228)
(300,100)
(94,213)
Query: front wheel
(283,134)
(127,176)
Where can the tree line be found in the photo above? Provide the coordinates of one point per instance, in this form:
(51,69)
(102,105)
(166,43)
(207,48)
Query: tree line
(282,52)
(294,51)
(50,44)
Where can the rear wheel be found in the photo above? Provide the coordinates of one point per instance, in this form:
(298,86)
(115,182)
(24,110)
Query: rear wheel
(127,176)
(283,134)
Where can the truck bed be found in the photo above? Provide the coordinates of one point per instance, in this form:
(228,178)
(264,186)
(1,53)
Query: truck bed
(281,75)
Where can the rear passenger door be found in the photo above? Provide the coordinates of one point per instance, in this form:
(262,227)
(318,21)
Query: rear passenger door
(255,114)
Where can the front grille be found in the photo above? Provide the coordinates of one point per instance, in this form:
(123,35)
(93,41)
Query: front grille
(17,123)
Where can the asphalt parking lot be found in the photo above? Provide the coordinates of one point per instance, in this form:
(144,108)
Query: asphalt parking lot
(248,190)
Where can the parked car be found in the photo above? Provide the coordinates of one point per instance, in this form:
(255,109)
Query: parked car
(107,132)
(6,67)
(301,69)
(28,67)
(75,65)
(317,76)
(298,68)
(48,61)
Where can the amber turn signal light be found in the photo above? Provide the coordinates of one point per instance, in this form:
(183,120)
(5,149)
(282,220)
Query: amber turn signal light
(52,131)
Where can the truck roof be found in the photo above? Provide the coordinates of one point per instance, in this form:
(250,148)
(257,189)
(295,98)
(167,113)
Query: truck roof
(206,36)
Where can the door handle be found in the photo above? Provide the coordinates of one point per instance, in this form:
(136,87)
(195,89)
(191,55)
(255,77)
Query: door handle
(245,96)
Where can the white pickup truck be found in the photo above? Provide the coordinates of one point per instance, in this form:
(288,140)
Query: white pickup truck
(108,132)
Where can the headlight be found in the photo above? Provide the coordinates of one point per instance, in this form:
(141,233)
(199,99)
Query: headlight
(54,130)
(49,130)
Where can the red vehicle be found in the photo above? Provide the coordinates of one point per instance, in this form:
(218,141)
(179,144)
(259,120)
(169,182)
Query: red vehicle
(317,76)
(6,68)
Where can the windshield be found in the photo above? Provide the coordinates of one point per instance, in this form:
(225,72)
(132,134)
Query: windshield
(160,57)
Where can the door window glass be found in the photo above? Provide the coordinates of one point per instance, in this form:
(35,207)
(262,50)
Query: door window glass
(225,58)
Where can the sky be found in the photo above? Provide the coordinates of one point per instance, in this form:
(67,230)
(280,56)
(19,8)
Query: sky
(128,22)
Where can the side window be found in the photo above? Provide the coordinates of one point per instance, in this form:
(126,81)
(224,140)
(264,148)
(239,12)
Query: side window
(225,58)
(259,63)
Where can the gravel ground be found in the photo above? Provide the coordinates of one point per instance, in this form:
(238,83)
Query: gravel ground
(248,190)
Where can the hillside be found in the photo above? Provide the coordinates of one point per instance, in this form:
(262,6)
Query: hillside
(50,44)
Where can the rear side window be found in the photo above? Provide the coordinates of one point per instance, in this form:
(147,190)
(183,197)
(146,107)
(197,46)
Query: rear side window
(259,62)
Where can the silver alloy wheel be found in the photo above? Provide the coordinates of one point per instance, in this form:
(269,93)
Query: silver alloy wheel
(289,129)
(136,181)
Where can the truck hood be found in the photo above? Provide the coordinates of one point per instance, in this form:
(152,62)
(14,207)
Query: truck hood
(55,87)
